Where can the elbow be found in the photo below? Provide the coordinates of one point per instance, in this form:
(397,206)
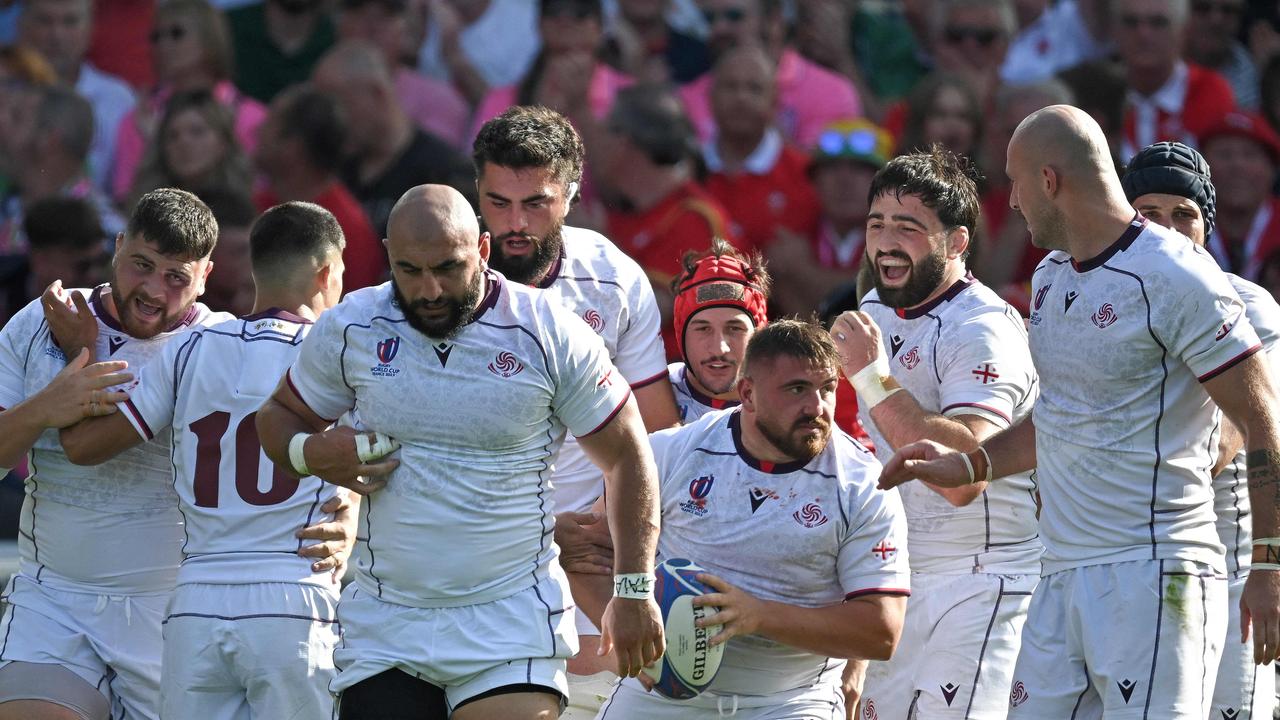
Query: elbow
(884,642)
(79,455)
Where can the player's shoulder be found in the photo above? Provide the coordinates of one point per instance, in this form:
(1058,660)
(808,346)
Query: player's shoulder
(1050,263)
(363,305)
(590,255)
(680,441)
(979,310)
(1260,307)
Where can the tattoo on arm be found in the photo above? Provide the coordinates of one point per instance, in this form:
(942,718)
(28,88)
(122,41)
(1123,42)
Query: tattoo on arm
(1264,470)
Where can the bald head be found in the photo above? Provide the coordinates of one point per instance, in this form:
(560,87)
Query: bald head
(431,214)
(1065,138)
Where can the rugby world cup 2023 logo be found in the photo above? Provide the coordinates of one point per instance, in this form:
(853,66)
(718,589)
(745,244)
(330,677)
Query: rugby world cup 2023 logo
(386,351)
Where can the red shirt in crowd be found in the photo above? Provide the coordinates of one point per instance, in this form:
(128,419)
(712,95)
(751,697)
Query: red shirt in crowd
(1247,256)
(120,42)
(364,256)
(1191,101)
(772,190)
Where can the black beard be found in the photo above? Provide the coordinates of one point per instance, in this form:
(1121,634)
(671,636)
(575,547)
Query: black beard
(127,314)
(532,268)
(460,310)
(797,450)
(925,276)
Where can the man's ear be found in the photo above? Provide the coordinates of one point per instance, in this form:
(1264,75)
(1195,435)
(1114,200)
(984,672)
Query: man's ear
(958,240)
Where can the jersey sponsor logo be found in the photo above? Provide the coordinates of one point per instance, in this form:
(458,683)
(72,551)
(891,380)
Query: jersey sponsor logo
(884,550)
(386,351)
(1105,316)
(1040,296)
(506,365)
(442,353)
(114,343)
(1019,694)
(869,710)
(699,489)
(1126,689)
(1068,299)
(911,359)
(895,344)
(986,373)
(949,692)
(811,516)
(758,496)
(594,320)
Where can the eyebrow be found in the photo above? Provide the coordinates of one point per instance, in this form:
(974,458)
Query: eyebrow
(531,198)
(898,218)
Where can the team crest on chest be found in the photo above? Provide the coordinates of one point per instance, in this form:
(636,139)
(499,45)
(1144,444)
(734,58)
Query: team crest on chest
(911,359)
(386,351)
(506,365)
(699,489)
(811,515)
(594,320)
(1105,316)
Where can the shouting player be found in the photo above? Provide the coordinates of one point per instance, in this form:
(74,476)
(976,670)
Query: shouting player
(1134,332)
(251,627)
(459,606)
(1170,184)
(937,355)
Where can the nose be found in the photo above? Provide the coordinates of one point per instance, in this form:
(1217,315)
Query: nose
(722,344)
(430,289)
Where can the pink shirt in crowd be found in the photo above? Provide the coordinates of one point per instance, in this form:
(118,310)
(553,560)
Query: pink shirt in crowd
(605,84)
(435,106)
(809,97)
(131,145)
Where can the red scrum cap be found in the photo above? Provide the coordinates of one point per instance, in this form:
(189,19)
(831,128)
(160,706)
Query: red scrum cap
(718,281)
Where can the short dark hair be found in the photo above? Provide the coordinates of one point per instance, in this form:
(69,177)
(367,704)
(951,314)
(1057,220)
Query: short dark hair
(290,232)
(653,119)
(316,120)
(944,182)
(529,137)
(720,248)
(177,222)
(63,222)
(790,338)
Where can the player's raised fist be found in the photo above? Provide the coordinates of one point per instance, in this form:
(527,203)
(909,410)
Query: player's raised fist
(70,320)
(857,337)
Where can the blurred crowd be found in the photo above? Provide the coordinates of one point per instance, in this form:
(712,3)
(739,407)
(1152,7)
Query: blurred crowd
(759,121)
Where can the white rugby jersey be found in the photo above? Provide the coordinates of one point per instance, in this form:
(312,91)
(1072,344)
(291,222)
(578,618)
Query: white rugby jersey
(1231,487)
(241,512)
(607,289)
(109,528)
(1125,434)
(692,403)
(965,353)
(807,534)
(467,516)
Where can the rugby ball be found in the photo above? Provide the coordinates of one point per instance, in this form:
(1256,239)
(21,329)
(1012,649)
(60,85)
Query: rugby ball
(690,662)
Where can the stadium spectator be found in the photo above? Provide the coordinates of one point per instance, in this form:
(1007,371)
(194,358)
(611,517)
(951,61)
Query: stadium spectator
(786,631)
(65,242)
(911,354)
(434,105)
(49,146)
(195,148)
(191,50)
(661,212)
(943,109)
(761,181)
(1055,36)
(385,153)
(808,268)
(59,30)
(230,287)
(809,95)
(296,155)
(1213,43)
(451,317)
(891,45)
(641,42)
(1099,88)
(22,73)
(823,33)
(1169,98)
(1170,184)
(970,39)
(277,43)
(1245,155)
(477,45)
(1126,380)
(119,41)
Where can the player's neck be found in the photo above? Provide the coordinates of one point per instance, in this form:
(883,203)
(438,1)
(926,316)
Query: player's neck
(268,300)
(731,395)
(955,273)
(1092,228)
(754,442)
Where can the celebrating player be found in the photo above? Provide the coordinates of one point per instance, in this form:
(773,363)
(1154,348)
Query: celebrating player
(937,355)
(459,607)
(806,556)
(246,602)
(1170,184)
(1133,330)
(721,301)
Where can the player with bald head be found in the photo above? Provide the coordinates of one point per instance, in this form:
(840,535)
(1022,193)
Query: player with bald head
(1136,335)
(459,607)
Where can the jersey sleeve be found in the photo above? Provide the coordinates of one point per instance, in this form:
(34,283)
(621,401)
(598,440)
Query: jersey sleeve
(873,554)
(1202,320)
(151,402)
(986,370)
(15,340)
(317,375)
(641,357)
(589,390)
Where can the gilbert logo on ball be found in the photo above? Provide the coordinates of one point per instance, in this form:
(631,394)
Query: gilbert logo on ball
(690,662)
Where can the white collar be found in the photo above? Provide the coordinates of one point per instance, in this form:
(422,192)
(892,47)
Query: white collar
(761,161)
(1171,96)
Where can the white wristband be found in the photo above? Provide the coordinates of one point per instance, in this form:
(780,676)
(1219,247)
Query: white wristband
(296,457)
(633,586)
(869,383)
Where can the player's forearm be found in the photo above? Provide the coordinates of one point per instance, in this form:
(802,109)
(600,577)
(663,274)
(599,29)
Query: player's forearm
(1013,450)
(277,424)
(1264,489)
(632,489)
(657,405)
(865,628)
(94,441)
(20,426)
(591,593)
(902,421)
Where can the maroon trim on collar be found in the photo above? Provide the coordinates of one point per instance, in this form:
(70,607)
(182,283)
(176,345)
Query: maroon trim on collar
(735,428)
(100,309)
(1136,226)
(553,273)
(922,310)
(714,403)
(277,313)
(493,282)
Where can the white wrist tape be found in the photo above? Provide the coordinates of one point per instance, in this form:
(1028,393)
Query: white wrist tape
(1264,566)
(1269,542)
(633,586)
(869,383)
(380,446)
(296,457)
